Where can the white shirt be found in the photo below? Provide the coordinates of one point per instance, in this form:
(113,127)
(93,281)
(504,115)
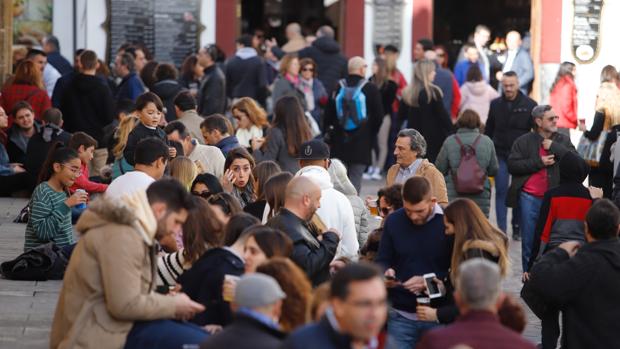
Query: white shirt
(244,136)
(510,58)
(50,76)
(128,183)
(210,157)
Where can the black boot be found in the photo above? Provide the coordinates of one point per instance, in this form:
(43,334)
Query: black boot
(516,233)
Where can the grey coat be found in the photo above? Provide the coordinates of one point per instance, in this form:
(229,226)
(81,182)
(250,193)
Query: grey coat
(276,149)
(450,156)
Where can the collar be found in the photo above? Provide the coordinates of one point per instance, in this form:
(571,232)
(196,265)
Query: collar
(246,52)
(333,323)
(467,130)
(478,316)
(287,212)
(231,250)
(436,211)
(414,164)
(260,317)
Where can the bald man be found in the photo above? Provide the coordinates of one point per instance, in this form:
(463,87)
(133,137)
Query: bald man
(353,145)
(295,38)
(519,61)
(313,250)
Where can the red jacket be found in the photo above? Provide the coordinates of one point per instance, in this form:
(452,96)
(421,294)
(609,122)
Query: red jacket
(82,182)
(563,99)
(477,329)
(13,93)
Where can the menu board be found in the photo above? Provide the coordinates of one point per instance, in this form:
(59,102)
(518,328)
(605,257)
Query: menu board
(585,39)
(170,29)
(387,18)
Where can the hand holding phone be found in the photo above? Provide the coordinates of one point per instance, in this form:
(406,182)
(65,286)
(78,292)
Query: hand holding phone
(432,286)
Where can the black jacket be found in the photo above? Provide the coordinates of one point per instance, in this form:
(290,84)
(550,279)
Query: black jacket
(38,147)
(331,63)
(246,78)
(564,208)
(203,283)
(139,133)
(212,92)
(432,120)
(245,332)
(167,90)
(14,147)
(354,147)
(508,121)
(524,160)
(87,106)
(586,288)
(313,260)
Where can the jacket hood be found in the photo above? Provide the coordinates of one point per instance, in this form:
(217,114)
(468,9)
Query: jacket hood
(327,45)
(86,82)
(318,174)
(476,88)
(167,88)
(338,174)
(573,168)
(608,249)
(133,210)
(246,53)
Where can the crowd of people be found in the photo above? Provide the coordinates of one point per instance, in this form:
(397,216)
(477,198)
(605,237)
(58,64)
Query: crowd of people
(219,204)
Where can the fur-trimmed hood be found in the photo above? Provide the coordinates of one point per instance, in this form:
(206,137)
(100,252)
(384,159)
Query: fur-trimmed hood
(133,210)
(482,245)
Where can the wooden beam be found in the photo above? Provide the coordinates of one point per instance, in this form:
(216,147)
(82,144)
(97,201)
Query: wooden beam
(6,39)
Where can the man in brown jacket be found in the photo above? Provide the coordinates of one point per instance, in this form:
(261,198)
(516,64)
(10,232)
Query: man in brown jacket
(107,298)
(409,152)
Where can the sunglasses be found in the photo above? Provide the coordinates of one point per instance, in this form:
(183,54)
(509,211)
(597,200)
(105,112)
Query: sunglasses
(308,69)
(203,194)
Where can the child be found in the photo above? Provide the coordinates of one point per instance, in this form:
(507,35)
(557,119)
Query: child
(150,109)
(85,146)
(50,205)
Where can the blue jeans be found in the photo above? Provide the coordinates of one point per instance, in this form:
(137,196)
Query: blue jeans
(530,209)
(502,183)
(162,334)
(406,333)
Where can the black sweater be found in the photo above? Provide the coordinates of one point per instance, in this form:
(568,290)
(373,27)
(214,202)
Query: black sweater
(139,133)
(508,120)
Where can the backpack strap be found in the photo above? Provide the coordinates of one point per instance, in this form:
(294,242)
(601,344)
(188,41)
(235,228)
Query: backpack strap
(475,144)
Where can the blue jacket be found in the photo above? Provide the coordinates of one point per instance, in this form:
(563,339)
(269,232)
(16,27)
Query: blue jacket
(5,168)
(461,68)
(130,88)
(443,80)
(413,250)
(227,144)
(522,65)
(59,62)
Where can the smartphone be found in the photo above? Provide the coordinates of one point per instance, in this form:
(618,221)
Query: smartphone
(431,285)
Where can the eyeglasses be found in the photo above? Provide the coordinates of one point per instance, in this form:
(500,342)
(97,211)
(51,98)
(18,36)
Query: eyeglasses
(308,69)
(203,194)
(551,118)
(76,170)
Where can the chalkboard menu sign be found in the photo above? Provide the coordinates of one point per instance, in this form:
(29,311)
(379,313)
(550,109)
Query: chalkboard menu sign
(586,29)
(170,29)
(388,16)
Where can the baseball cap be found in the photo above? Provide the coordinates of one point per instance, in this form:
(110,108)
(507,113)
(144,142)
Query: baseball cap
(257,290)
(313,150)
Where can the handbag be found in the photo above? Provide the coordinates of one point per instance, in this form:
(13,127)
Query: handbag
(533,300)
(590,150)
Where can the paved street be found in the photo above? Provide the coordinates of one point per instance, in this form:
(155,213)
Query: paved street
(27,307)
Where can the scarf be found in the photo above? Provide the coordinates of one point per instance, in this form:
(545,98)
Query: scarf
(306,88)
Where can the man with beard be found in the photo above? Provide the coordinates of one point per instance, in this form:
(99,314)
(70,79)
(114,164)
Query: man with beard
(313,254)
(108,291)
(413,243)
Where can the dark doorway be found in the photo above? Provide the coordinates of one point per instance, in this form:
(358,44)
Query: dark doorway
(454,20)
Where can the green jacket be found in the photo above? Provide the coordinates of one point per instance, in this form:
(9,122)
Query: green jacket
(450,156)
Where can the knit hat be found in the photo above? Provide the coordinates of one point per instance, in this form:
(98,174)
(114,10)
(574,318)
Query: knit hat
(257,290)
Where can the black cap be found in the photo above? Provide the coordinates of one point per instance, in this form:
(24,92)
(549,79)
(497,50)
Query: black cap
(313,150)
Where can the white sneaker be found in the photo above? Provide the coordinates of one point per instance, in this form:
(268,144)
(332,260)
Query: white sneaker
(376,174)
(367,176)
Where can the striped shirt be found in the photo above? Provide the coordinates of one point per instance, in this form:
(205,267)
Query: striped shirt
(50,218)
(169,268)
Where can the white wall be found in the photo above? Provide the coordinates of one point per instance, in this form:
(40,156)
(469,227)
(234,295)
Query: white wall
(609,53)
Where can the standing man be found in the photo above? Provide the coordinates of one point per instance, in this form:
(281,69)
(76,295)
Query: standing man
(352,141)
(212,93)
(409,153)
(518,60)
(482,34)
(509,118)
(216,130)
(336,210)
(313,250)
(296,41)
(50,74)
(87,106)
(246,73)
(472,57)
(51,46)
(413,243)
(131,86)
(534,163)
(209,157)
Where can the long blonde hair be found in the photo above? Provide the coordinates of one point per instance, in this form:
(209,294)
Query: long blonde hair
(184,170)
(122,134)
(470,225)
(419,82)
(252,110)
(608,103)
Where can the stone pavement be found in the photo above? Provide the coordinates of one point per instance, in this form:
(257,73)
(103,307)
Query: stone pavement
(27,307)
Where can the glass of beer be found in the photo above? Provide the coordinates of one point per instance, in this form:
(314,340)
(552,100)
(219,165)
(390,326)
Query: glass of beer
(373,205)
(228,288)
(424,301)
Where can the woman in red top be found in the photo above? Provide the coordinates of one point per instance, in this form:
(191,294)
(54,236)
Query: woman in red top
(563,97)
(27,85)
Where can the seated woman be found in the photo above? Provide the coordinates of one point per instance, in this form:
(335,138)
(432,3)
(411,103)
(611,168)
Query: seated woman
(201,232)
(238,179)
(263,243)
(251,120)
(184,170)
(205,185)
(50,205)
(224,206)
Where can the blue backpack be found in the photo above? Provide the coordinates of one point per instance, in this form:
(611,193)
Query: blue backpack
(351,105)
